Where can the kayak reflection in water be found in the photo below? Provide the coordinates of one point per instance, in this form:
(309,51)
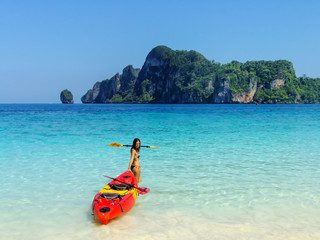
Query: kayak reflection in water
(134,165)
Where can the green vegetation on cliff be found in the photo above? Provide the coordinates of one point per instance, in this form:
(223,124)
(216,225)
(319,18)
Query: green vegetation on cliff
(308,89)
(263,73)
(178,77)
(197,74)
(169,76)
(67,94)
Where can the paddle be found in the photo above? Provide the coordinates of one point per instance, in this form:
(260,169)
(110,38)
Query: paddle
(141,190)
(120,145)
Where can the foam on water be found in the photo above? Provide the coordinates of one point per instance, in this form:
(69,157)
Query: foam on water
(222,172)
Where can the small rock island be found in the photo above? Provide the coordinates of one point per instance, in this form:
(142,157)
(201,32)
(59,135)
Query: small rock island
(66,97)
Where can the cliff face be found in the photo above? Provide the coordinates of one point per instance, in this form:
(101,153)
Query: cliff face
(169,76)
(245,97)
(155,83)
(105,91)
(222,93)
(276,84)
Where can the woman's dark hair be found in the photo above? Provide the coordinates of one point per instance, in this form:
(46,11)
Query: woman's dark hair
(134,144)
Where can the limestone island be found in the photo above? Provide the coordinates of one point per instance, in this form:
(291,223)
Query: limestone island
(169,76)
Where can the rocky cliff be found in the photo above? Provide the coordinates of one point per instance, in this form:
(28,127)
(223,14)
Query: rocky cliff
(112,90)
(169,76)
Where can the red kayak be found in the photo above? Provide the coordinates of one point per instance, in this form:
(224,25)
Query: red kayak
(116,198)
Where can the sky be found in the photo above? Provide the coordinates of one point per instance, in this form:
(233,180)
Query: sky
(49,46)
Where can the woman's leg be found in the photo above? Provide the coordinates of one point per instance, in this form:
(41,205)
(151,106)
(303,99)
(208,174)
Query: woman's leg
(137,173)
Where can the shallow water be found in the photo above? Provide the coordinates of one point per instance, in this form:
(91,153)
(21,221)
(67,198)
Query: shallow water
(222,172)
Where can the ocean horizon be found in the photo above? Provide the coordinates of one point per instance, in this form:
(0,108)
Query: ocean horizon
(223,171)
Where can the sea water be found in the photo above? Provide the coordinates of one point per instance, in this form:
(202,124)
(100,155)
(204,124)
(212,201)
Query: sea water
(221,172)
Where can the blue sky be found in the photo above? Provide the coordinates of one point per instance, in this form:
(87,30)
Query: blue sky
(47,46)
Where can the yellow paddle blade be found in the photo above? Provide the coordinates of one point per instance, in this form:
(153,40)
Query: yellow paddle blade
(154,146)
(115,145)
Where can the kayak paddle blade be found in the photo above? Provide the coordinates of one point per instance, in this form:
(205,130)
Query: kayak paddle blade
(143,190)
(115,145)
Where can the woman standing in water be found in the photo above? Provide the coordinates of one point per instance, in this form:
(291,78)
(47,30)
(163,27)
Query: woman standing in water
(134,165)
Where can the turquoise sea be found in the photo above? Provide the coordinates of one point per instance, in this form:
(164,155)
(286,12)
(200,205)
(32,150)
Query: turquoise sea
(222,171)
